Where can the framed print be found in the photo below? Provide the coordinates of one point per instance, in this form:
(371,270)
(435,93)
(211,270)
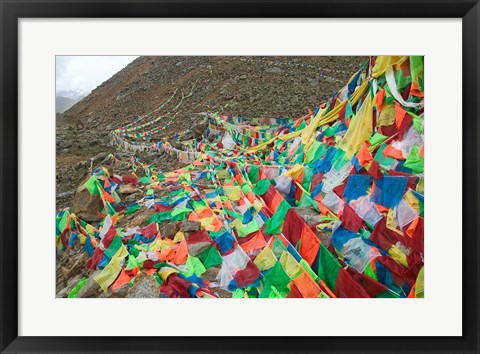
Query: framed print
(231,177)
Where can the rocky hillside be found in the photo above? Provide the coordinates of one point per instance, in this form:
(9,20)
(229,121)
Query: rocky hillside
(240,86)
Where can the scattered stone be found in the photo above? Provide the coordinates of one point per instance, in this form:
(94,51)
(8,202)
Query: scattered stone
(223,294)
(79,260)
(308,214)
(63,293)
(142,218)
(144,286)
(211,273)
(65,144)
(177,145)
(314,82)
(132,198)
(65,194)
(312,217)
(100,156)
(190,226)
(70,283)
(169,230)
(105,160)
(199,130)
(73,281)
(123,290)
(324,236)
(91,287)
(127,189)
(274,70)
(79,165)
(87,206)
(195,249)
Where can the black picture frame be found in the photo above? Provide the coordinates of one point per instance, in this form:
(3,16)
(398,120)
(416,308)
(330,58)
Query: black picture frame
(12,11)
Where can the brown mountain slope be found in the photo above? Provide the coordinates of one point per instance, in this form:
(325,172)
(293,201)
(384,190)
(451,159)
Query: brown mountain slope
(251,86)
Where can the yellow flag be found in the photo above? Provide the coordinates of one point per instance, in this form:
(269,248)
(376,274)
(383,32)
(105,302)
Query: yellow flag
(420,185)
(108,275)
(290,265)
(266,259)
(360,129)
(412,200)
(257,205)
(233,192)
(207,223)
(166,271)
(308,131)
(383,62)
(391,224)
(295,171)
(397,254)
(387,115)
(179,236)
(290,135)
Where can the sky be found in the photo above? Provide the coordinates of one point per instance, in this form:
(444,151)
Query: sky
(85,72)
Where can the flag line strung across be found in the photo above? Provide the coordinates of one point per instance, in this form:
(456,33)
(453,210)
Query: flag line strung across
(357,161)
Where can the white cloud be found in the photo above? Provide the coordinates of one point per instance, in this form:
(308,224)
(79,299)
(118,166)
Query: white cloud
(85,72)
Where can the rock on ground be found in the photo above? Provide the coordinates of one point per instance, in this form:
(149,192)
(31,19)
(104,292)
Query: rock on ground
(312,217)
(87,206)
(91,287)
(190,226)
(127,189)
(144,286)
(169,230)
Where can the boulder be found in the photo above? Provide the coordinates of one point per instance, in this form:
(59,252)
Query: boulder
(72,282)
(177,145)
(142,218)
(66,194)
(194,249)
(311,218)
(123,290)
(63,293)
(79,259)
(324,236)
(211,276)
(91,287)
(132,198)
(308,214)
(70,285)
(100,156)
(190,226)
(144,286)
(65,144)
(169,230)
(87,206)
(211,273)
(118,293)
(199,130)
(127,189)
